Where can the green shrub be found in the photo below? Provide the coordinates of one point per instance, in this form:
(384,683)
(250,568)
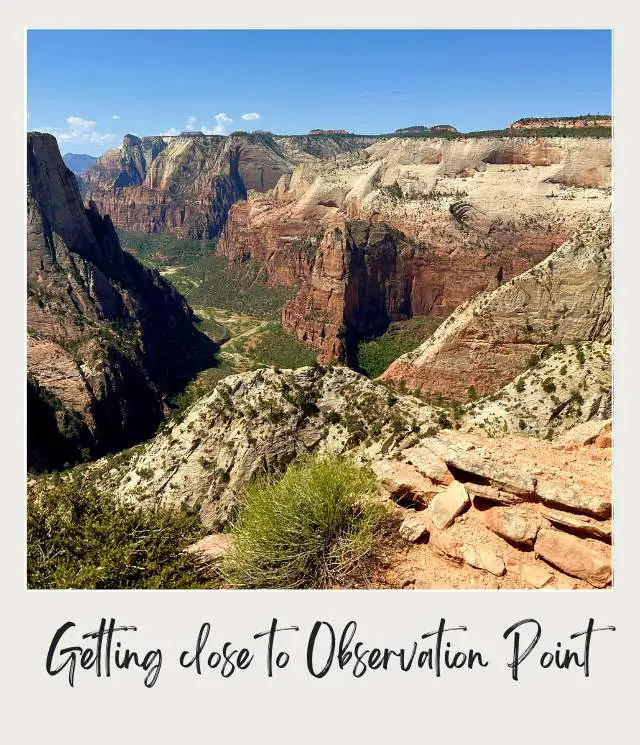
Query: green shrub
(519,386)
(548,386)
(443,420)
(77,538)
(316,526)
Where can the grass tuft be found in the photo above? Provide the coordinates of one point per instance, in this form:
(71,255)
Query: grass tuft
(316,526)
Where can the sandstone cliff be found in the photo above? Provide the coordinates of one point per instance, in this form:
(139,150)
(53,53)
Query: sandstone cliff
(106,337)
(488,340)
(452,217)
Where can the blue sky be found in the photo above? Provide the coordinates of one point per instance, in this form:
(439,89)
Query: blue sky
(89,88)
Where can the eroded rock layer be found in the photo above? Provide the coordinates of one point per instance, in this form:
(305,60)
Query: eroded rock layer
(185,185)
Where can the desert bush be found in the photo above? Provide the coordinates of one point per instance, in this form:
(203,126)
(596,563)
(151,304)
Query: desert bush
(77,538)
(317,525)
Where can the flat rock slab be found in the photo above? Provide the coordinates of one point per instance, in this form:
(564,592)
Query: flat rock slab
(403,481)
(514,525)
(572,498)
(492,494)
(483,557)
(576,557)
(476,463)
(448,504)
(429,464)
(580,524)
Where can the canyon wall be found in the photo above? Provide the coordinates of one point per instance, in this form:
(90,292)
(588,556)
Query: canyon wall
(186,184)
(492,337)
(106,336)
(423,224)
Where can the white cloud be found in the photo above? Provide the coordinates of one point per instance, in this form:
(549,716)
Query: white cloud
(78,123)
(80,132)
(191,123)
(115,116)
(250,117)
(171,132)
(220,126)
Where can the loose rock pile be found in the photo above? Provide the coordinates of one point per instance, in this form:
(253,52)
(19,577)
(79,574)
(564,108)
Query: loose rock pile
(516,523)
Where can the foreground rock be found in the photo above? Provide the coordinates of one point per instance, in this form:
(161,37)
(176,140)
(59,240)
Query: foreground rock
(513,525)
(572,498)
(404,481)
(211,548)
(447,505)
(575,556)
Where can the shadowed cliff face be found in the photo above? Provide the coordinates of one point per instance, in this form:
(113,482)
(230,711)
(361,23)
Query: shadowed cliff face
(366,274)
(106,337)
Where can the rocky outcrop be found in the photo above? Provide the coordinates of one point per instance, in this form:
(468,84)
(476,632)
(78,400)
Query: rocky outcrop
(258,423)
(488,340)
(521,511)
(563,122)
(525,545)
(106,337)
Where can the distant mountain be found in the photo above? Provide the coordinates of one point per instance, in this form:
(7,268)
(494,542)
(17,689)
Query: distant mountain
(78,162)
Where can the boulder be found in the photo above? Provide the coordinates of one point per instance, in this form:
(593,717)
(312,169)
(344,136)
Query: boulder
(413,528)
(483,557)
(603,440)
(211,548)
(516,526)
(403,481)
(572,498)
(448,504)
(575,556)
